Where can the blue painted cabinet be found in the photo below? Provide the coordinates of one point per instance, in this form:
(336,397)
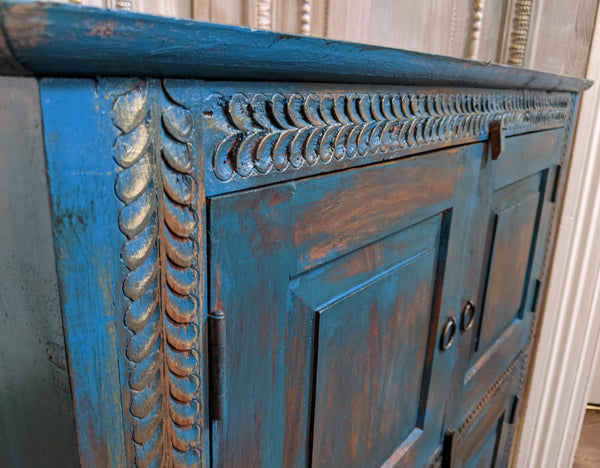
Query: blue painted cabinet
(334,288)
(272,251)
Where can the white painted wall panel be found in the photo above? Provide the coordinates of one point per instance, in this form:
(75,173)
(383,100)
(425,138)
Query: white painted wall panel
(568,340)
(595,386)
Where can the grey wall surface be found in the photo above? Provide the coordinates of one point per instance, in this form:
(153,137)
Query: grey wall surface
(37,427)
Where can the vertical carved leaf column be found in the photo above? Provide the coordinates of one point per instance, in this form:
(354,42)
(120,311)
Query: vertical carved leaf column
(157,187)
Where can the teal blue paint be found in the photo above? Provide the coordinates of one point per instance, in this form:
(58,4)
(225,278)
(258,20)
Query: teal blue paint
(88,248)
(71,40)
(272,291)
(260,262)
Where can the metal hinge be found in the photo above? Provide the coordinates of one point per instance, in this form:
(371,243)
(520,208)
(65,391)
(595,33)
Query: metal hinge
(555,184)
(514,408)
(536,294)
(216,365)
(496,134)
(449,449)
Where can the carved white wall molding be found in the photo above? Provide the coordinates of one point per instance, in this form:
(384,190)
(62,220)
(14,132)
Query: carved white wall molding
(520,32)
(122,4)
(264,14)
(305,18)
(476,22)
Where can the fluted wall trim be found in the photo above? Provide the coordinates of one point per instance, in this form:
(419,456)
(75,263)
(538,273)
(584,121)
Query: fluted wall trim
(476,23)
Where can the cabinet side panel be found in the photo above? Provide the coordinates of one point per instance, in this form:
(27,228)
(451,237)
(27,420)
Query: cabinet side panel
(79,142)
(36,415)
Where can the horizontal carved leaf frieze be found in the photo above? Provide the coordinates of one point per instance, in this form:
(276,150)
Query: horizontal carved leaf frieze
(263,133)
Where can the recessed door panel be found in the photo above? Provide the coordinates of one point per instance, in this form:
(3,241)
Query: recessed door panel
(514,217)
(372,337)
(487,453)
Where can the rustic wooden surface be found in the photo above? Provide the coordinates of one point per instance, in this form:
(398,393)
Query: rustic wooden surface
(60,40)
(557,35)
(288,232)
(588,449)
(507,250)
(82,195)
(346,228)
(325,218)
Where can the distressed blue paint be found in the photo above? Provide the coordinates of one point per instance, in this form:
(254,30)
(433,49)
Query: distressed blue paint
(510,224)
(79,144)
(275,255)
(68,40)
(284,255)
(245,140)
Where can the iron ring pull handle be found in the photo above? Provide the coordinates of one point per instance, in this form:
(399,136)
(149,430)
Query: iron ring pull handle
(448,334)
(468,316)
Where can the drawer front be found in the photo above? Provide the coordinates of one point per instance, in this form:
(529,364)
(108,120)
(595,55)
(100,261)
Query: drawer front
(336,290)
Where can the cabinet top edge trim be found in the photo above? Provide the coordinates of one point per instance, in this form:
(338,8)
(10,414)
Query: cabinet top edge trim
(68,40)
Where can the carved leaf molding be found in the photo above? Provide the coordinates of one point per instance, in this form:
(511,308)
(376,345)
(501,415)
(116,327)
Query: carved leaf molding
(158,191)
(262,133)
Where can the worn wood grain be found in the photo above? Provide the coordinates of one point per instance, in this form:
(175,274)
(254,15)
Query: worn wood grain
(588,452)
(543,150)
(368,398)
(8,63)
(480,442)
(285,306)
(81,183)
(511,224)
(58,40)
(514,221)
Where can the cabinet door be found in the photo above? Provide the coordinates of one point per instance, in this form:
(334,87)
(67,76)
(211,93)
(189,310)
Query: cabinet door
(335,291)
(507,247)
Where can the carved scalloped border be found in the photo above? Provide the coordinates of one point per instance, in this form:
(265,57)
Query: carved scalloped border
(156,186)
(261,133)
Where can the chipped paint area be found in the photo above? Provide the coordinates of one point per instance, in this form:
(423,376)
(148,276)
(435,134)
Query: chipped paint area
(105,29)
(25,26)
(335,288)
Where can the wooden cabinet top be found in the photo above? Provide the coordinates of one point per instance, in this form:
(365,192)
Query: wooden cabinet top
(64,40)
